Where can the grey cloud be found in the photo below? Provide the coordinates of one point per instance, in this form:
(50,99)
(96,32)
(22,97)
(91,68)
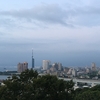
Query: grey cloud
(39,45)
(85,16)
(44,13)
(54,14)
(23,45)
(1,33)
(7,23)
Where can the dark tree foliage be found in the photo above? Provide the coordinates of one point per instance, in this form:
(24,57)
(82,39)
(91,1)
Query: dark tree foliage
(88,93)
(51,88)
(30,86)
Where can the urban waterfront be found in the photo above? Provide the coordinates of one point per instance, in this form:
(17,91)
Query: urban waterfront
(5,69)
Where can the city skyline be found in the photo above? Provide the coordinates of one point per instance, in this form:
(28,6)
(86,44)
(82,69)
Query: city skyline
(61,31)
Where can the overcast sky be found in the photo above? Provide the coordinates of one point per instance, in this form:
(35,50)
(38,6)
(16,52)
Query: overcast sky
(66,31)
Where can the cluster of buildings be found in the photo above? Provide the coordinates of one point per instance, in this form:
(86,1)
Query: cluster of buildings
(78,74)
(91,72)
(57,69)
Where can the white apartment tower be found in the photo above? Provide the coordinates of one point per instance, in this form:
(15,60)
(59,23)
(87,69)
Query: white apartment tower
(59,66)
(45,64)
(93,67)
(74,72)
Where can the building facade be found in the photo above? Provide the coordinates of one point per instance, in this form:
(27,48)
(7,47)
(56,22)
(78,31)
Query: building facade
(45,64)
(22,67)
(93,67)
(74,72)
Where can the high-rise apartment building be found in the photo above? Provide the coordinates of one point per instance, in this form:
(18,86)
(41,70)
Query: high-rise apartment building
(74,72)
(93,67)
(45,64)
(22,67)
(59,66)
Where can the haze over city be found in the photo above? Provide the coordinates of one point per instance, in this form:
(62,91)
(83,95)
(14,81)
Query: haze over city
(65,31)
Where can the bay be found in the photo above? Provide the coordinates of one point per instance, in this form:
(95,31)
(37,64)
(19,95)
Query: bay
(3,77)
(8,68)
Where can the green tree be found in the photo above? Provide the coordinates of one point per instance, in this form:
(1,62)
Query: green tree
(30,86)
(88,93)
(51,88)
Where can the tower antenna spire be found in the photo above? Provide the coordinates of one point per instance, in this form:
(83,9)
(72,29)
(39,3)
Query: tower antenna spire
(32,52)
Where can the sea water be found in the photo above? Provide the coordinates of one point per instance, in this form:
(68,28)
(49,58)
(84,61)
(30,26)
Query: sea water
(8,68)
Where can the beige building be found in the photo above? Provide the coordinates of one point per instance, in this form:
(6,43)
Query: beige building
(22,67)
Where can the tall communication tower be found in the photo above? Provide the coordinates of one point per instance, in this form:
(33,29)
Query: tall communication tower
(32,60)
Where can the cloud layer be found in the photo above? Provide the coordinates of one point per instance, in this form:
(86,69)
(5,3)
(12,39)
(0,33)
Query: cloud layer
(86,15)
(56,30)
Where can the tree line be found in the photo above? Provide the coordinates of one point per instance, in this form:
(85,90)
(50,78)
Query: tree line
(30,86)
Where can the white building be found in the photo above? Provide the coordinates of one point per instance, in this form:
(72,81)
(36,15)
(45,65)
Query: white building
(93,67)
(45,64)
(74,72)
(69,71)
(59,66)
